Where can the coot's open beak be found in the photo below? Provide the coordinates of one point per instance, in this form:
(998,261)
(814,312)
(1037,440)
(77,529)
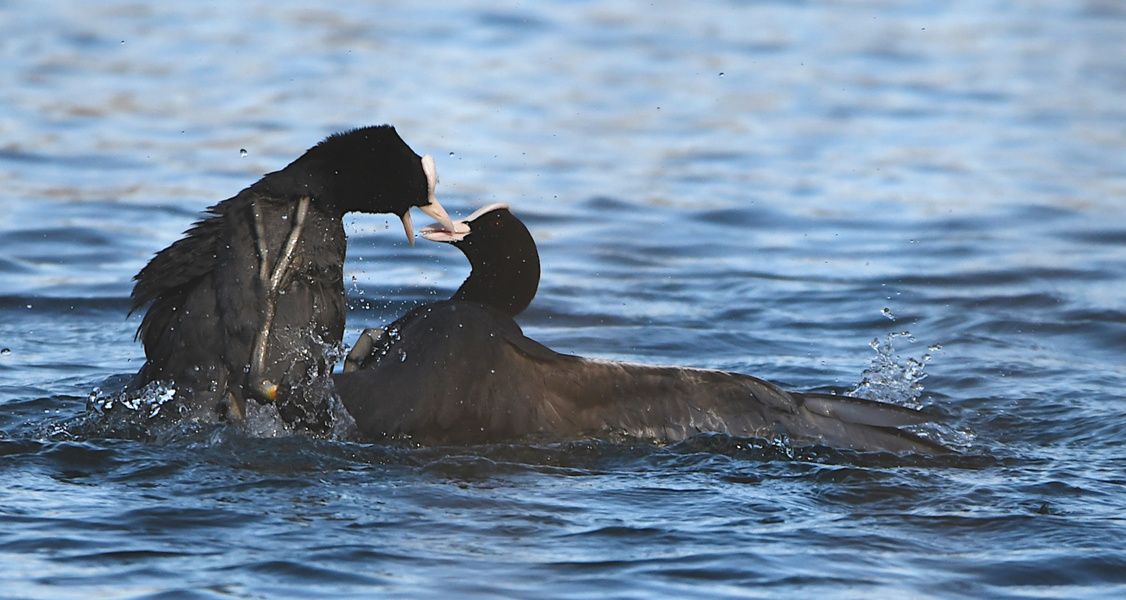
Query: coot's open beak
(440,233)
(436,211)
(433,209)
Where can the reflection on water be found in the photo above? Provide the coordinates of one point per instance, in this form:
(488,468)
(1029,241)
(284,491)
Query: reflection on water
(745,186)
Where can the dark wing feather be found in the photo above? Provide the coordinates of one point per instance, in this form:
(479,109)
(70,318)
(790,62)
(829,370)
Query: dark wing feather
(861,411)
(458,373)
(184,262)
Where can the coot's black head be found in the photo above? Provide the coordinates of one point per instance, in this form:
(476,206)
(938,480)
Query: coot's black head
(506,264)
(370,169)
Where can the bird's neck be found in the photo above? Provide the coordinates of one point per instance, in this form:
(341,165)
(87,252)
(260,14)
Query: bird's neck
(509,285)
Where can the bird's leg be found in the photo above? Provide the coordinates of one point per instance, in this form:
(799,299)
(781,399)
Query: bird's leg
(259,384)
(263,249)
(234,408)
(361,351)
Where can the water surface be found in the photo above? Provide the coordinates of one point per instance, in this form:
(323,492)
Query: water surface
(765,187)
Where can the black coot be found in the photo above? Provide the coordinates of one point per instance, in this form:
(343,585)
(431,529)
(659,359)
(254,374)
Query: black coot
(502,254)
(462,372)
(246,305)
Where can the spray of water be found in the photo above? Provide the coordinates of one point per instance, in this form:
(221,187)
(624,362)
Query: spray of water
(155,412)
(890,378)
(893,379)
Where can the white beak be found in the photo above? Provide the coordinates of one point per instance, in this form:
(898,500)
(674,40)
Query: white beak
(433,209)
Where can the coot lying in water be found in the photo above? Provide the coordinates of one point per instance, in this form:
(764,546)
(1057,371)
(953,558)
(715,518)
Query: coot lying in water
(246,305)
(462,372)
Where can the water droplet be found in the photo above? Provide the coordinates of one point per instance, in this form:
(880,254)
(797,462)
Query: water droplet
(402,357)
(243,152)
(721,73)
(887,313)
(6,351)
(451,154)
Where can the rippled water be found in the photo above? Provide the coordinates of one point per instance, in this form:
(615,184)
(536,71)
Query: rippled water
(766,187)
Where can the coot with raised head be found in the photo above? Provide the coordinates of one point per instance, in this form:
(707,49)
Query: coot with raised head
(247,304)
(502,255)
(462,372)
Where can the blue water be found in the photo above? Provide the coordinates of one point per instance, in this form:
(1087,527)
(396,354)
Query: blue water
(765,187)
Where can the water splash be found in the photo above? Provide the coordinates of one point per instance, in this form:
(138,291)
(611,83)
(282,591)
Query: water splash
(147,413)
(147,401)
(312,408)
(264,421)
(890,378)
(895,380)
(155,412)
(356,296)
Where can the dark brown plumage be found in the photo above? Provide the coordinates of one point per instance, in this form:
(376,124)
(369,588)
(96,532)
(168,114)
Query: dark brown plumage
(247,304)
(462,372)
